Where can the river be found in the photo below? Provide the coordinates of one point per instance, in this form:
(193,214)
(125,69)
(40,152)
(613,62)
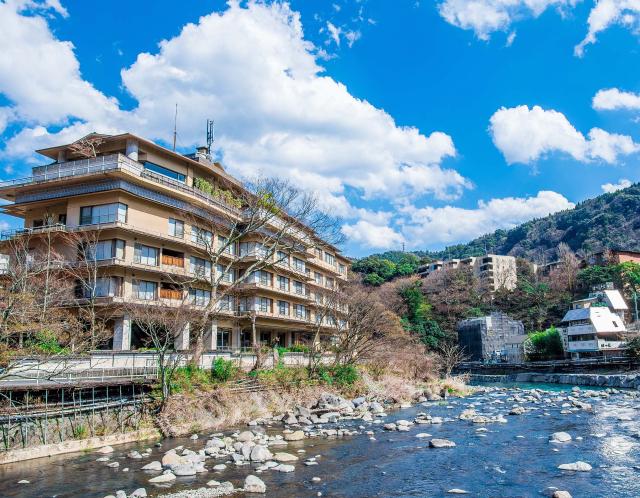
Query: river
(512,459)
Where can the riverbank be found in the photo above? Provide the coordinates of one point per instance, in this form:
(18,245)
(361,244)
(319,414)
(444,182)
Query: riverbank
(618,381)
(495,442)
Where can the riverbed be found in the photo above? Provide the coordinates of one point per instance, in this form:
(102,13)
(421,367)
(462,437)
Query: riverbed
(491,459)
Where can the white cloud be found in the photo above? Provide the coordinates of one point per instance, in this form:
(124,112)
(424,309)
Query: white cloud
(612,99)
(524,135)
(251,69)
(613,187)
(607,13)
(429,226)
(485,17)
(372,235)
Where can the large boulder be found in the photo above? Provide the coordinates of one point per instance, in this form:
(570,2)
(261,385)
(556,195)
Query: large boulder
(334,403)
(184,470)
(253,484)
(171,459)
(163,478)
(294,436)
(284,457)
(559,437)
(105,450)
(245,436)
(260,454)
(576,466)
(153,466)
(441,443)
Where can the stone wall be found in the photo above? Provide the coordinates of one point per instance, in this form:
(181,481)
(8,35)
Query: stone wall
(631,381)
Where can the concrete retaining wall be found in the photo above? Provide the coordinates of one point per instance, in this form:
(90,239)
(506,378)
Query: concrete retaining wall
(630,381)
(77,445)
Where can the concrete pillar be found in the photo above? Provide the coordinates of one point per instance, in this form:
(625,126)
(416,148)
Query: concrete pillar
(287,339)
(132,149)
(181,341)
(235,337)
(62,156)
(211,337)
(122,333)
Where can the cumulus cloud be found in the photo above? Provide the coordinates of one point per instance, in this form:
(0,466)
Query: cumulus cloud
(607,13)
(432,226)
(372,235)
(612,99)
(614,187)
(524,135)
(251,69)
(485,17)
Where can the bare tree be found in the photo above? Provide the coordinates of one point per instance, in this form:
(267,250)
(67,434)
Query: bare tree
(88,146)
(265,223)
(565,275)
(451,355)
(161,325)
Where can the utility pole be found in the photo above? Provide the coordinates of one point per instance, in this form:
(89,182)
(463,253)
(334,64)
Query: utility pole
(175,128)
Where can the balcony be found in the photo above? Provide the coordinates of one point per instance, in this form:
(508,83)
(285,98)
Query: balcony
(26,232)
(111,163)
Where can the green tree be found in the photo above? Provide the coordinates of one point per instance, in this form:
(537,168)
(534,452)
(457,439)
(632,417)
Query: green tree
(544,345)
(418,319)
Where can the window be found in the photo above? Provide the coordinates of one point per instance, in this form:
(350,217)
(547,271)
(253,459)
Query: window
(318,252)
(62,219)
(225,303)
(262,277)
(265,338)
(222,242)
(201,236)
(200,267)
(102,287)
(282,258)
(252,249)
(342,269)
(330,282)
(317,277)
(145,255)
(104,213)
(330,258)
(200,297)
(283,308)
(107,249)
(245,304)
(161,170)
(145,290)
(223,338)
(226,276)
(176,228)
(283,283)
(264,304)
(298,287)
(298,264)
(299,311)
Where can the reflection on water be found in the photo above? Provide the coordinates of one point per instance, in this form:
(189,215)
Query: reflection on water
(505,460)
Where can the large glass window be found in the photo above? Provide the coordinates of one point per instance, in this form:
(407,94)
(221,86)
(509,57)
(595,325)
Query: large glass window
(107,249)
(225,303)
(283,283)
(245,304)
(298,287)
(317,277)
(201,236)
(176,228)
(283,308)
(161,170)
(200,297)
(222,242)
(102,287)
(299,311)
(104,213)
(223,338)
(227,276)
(145,255)
(263,304)
(262,277)
(298,264)
(200,267)
(330,258)
(145,290)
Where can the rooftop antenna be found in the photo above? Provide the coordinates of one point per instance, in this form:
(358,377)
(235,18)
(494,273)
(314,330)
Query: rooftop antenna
(175,128)
(403,247)
(210,136)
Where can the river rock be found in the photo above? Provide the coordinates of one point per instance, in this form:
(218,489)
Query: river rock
(121,494)
(171,458)
(260,453)
(184,470)
(216,443)
(284,457)
(134,454)
(139,493)
(105,449)
(422,435)
(576,466)
(168,477)
(457,491)
(559,437)
(113,465)
(441,443)
(294,436)
(253,484)
(561,494)
(284,468)
(376,407)
(219,467)
(389,427)
(245,436)
(153,466)
(517,410)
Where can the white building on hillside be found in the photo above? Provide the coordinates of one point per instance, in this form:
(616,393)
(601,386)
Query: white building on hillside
(595,326)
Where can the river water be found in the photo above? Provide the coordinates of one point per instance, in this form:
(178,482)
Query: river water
(513,459)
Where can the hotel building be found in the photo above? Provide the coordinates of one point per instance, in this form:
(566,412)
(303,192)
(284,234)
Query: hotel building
(143,201)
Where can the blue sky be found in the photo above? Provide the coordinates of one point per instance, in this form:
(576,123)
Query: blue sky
(427,123)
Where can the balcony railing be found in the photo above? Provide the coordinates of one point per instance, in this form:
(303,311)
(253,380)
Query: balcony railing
(111,162)
(20,232)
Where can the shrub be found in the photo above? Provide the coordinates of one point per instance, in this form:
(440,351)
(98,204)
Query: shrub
(633,348)
(223,370)
(189,379)
(46,342)
(544,345)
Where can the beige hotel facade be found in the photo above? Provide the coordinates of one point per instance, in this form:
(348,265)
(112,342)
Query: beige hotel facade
(142,200)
